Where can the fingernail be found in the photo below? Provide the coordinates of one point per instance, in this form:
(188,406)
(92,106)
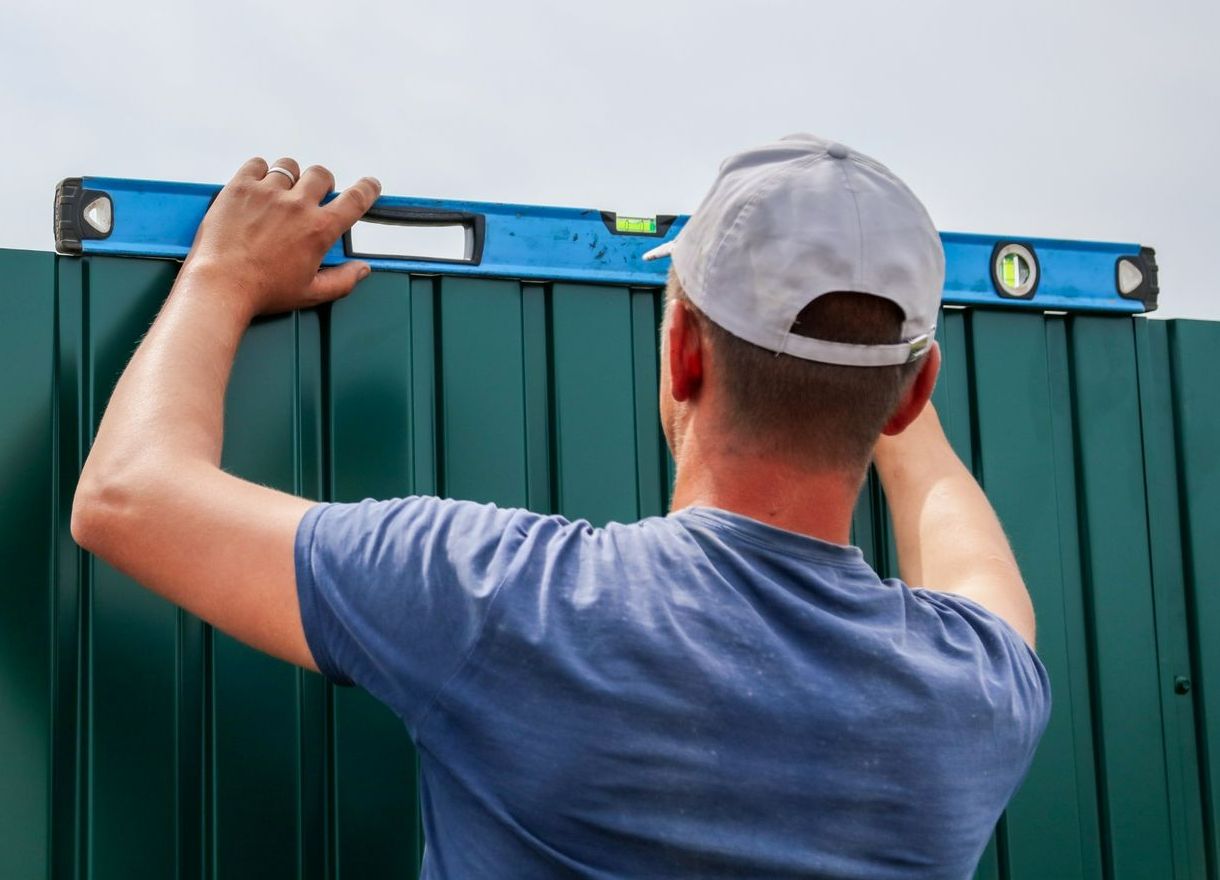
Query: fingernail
(364,271)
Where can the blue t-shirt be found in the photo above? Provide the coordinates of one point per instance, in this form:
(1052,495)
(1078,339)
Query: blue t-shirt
(699,695)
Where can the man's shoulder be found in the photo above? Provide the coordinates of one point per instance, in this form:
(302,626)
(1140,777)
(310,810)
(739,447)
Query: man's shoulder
(1010,666)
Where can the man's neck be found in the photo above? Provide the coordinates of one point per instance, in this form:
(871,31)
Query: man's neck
(770,490)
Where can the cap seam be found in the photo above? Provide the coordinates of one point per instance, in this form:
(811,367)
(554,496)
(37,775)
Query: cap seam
(859,285)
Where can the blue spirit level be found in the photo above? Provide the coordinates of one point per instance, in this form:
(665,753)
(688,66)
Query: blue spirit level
(144,218)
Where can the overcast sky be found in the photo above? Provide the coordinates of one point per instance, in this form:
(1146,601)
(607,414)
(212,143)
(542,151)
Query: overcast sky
(1069,119)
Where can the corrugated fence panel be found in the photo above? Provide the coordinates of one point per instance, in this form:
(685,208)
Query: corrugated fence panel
(140,743)
(483,392)
(650,449)
(594,393)
(314,840)
(1196,383)
(256,699)
(68,767)
(1119,598)
(27,326)
(1046,821)
(374,446)
(1169,590)
(952,396)
(130,633)
(1074,693)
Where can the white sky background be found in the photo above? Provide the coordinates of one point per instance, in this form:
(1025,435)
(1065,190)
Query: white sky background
(1096,120)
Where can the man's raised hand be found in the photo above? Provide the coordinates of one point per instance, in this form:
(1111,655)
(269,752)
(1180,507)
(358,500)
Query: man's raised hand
(262,241)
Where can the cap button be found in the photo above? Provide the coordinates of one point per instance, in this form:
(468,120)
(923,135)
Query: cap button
(837,151)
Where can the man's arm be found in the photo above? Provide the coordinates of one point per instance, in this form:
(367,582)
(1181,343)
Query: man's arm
(152,499)
(948,536)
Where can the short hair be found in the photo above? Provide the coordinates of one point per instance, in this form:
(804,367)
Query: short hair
(826,414)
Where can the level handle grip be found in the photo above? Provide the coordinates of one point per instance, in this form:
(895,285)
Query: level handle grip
(414,215)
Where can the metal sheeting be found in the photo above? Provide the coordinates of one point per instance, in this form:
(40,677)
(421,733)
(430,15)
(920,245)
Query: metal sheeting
(141,743)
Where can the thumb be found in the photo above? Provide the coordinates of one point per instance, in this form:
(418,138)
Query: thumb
(337,281)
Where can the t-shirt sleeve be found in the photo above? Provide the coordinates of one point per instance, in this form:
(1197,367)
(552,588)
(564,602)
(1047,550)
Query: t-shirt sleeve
(1013,666)
(394,594)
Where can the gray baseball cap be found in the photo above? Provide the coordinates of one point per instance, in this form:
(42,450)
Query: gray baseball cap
(789,221)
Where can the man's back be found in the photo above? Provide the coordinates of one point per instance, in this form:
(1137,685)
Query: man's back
(699,695)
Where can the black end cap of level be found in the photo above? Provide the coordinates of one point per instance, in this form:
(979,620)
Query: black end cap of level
(67,215)
(70,227)
(1149,289)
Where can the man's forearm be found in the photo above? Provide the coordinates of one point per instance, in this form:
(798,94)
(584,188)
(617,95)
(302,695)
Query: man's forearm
(947,533)
(162,430)
(167,411)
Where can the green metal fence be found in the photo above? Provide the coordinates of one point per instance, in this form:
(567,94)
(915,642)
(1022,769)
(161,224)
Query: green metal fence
(137,742)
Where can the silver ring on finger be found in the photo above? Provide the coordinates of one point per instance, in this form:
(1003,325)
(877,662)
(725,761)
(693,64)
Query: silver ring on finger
(280,169)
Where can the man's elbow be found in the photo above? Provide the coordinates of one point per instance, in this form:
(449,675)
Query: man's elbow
(100,507)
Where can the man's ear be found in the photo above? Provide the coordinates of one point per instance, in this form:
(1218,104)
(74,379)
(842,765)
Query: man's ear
(917,395)
(685,348)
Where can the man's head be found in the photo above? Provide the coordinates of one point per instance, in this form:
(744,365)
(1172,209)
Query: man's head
(800,309)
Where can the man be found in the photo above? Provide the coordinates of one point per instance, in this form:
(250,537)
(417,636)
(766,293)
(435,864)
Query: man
(727,691)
